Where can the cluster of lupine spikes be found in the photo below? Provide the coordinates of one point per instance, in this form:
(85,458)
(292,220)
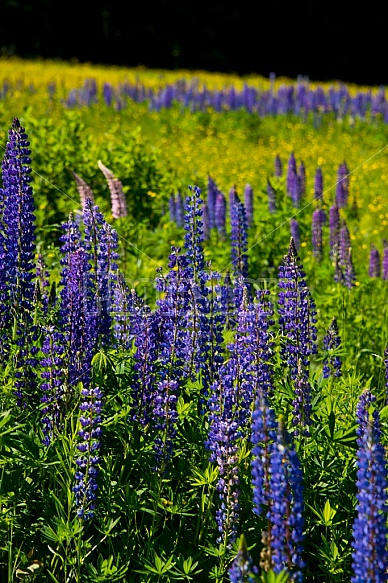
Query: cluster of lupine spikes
(181,340)
(297,98)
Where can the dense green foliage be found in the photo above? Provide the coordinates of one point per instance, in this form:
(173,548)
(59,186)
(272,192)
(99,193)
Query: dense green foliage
(152,528)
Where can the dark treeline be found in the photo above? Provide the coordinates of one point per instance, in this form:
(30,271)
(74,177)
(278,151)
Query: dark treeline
(321,41)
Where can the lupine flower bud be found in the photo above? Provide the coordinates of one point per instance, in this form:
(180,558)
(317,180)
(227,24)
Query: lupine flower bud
(118,200)
(83,188)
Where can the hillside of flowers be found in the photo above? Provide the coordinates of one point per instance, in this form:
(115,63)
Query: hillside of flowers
(193,329)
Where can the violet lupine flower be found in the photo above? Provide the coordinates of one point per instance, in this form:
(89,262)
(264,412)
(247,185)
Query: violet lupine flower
(228,305)
(212,193)
(345,262)
(385,260)
(263,436)
(334,223)
(285,512)
(77,320)
(374,262)
(295,233)
(179,210)
(242,567)
(220,214)
(233,196)
(101,243)
(291,174)
(370,555)
(122,309)
(53,349)
(165,417)
(332,363)
(316,233)
(239,238)
(318,184)
(117,194)
(173,313)
(301,412)
(88,446)
(248,202)
(271,193)
(205,220)
(171,206)
(342,186)
(222,437)
(278,166)
(84,190)
(107,92)
(297,314)
(17,250)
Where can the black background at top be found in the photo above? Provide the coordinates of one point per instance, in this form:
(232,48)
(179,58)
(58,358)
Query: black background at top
(321,40)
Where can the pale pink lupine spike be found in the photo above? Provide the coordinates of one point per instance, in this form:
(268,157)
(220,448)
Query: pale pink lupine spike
(83,187)
(117,195)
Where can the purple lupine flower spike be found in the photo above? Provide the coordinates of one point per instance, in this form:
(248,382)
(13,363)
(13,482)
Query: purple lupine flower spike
(271,193)
(318,184)
(342,186)
(291,174)
(118,200)
(89,444)
(242,567)
(220,214)
(53,349)
(263,435)
(278,166)
(248,202)
(232,197)
(84,190)
(286,500)
(179,210)
(17,252)
(370,554)
(165,418)
(206,223)
(385,260)
(374,262)
(239,237)
(295,233)
(171,206)
(332,363)
(297,314)
(345,261)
